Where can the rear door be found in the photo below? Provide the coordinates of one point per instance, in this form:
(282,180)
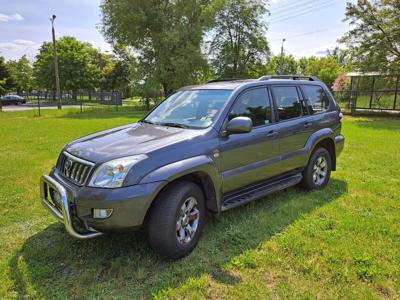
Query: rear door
(250,157)
(294,127)
(318,104)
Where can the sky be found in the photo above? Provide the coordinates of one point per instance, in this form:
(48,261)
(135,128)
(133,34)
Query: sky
(309,26)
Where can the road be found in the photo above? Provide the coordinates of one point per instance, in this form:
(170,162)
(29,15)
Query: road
(30,106)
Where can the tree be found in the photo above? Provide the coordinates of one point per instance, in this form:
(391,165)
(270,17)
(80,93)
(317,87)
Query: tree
(118,71)
(341,56)
(21,73)
(374,40)
(6,81)
(238,46)
(77,65)
(325,68)
(289,65)
(165,35)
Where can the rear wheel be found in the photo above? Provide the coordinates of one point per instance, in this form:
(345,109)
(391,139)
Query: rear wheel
(318,171)
(176,220)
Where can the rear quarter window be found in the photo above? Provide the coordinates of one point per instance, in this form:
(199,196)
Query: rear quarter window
(316,98)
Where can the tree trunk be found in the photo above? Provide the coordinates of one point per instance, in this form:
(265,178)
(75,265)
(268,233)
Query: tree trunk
(167,89)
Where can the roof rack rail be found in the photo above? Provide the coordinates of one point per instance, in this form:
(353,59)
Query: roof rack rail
(292,77)
(225,79)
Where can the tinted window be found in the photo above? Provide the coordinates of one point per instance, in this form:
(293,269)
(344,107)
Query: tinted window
(287,101)
(317,100)
(254,104)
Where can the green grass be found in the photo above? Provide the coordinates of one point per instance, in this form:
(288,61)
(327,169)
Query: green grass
(341,242)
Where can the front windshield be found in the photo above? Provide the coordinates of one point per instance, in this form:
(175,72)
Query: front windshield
(195,108)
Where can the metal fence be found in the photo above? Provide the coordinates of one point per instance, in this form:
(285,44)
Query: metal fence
(370,101)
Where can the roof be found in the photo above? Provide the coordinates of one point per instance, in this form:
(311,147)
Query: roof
(218,85)
(233,84)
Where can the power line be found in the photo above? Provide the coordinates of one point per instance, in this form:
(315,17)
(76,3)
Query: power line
(302,6)
(305,34)
(288,5)
(280,19)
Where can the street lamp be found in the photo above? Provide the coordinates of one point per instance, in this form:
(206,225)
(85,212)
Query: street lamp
(281,60)
(58,96)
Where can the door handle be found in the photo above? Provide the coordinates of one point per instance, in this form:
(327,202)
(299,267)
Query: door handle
(307,124)
(272,133)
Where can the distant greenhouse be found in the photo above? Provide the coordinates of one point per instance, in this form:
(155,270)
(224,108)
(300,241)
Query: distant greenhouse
(370,92)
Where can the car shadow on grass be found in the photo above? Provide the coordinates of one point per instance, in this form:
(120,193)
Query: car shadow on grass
(53,265)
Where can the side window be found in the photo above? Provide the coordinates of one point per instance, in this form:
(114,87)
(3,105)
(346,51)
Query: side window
(254,104)
(317,100)
(287,101)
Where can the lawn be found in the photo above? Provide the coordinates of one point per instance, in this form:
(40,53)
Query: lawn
(341,242)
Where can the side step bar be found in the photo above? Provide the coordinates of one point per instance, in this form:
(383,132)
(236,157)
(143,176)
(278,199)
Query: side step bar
(259,191)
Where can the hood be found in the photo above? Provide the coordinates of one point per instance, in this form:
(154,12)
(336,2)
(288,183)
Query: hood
(137,138)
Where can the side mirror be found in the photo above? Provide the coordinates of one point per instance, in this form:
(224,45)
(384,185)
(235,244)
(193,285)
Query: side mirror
(239,125)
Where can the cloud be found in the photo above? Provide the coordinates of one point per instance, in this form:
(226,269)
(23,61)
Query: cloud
(17,45)
(14,17)
(24,42)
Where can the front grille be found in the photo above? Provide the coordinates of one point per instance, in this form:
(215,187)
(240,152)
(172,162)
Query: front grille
(75,169)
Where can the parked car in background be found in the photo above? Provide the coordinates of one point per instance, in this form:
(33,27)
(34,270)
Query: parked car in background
(210,147)
(12,100)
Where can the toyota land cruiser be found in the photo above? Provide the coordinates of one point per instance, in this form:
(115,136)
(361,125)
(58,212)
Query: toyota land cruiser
(209,147)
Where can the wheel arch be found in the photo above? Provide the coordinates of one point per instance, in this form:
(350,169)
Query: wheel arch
(322,138)
(329,145)
(200,170)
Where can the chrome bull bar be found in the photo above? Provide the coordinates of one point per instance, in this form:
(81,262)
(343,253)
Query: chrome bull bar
(46,182)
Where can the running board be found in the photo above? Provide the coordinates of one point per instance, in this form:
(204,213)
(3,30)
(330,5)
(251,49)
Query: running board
(259,191)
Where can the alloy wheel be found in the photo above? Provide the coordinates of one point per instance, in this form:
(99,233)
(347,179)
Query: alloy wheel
(187,220)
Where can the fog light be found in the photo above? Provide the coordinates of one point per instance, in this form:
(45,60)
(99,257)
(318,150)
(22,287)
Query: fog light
(99,213)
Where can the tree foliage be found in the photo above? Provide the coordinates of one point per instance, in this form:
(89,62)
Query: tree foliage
(77,65)
(166,35)
(238,46)
(374,40)
(325,68)
(21,73)
(6,81)
(288,62)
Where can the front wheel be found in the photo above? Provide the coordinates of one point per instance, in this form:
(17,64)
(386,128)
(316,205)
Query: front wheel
(318,171)
(176,220)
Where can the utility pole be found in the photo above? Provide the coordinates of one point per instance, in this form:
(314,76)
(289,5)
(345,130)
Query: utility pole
(281,60)
(58,96)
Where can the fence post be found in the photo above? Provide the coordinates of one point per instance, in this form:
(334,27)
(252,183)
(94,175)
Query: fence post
(114,95)
(38,101)
(81,101)
(372,92)
(396,91)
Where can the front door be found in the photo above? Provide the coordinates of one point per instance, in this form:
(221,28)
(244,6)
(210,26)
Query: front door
(250,157)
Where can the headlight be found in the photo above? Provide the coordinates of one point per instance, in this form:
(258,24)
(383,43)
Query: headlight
(112,174)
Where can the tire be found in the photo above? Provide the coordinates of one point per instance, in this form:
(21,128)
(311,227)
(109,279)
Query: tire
(166,218)
(318,170)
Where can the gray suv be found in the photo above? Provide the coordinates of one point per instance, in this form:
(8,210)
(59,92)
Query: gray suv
(206,148)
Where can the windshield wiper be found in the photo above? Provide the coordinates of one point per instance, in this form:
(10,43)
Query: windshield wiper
(147,122)
(170,124)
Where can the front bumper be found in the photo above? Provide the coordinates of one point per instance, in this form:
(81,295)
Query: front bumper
(75,204)
(63,213)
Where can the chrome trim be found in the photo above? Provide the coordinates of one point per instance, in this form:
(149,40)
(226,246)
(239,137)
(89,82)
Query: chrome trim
(65,214)
(79,168)
(79,160)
